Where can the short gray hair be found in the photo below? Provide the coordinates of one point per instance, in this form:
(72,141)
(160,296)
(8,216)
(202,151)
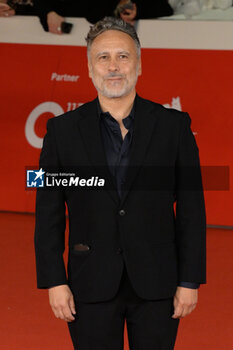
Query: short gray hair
(112,23)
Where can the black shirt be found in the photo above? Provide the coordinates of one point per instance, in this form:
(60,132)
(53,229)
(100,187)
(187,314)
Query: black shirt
(117,149)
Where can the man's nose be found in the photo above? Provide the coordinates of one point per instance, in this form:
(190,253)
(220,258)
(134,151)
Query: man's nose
(113,65)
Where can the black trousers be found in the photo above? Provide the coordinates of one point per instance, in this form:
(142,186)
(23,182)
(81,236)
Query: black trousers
(100,326)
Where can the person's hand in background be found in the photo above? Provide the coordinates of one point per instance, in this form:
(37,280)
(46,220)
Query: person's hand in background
(126,10)
(54,22)
(129,14)
(6,10)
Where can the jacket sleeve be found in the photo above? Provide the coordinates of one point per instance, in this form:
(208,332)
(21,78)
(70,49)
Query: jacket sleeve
(190,209)
(42,8)
(94,13)
(25,10)
(50,221)
(158,8)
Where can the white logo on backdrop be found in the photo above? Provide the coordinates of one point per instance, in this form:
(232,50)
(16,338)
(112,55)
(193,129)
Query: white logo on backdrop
(175,104)
(56,109)
(45,107)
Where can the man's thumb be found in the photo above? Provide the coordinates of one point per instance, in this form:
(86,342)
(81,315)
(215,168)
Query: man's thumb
(72,305)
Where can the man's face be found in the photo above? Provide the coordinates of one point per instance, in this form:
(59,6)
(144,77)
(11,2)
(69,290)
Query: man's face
(113,64)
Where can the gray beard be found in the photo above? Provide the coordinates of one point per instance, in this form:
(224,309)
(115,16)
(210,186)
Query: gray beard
(114,94)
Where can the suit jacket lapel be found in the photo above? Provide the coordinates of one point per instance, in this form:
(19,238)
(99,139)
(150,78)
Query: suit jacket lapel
(144,124)
(91,134)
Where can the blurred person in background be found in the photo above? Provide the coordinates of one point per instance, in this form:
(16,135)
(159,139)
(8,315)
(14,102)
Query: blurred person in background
(9,8)
(130,11)
(52,13)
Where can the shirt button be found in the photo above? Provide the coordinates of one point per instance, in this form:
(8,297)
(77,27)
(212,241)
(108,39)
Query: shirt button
(122,212)
(119,251)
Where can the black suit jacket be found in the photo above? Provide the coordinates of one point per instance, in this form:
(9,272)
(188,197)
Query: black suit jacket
(159,246)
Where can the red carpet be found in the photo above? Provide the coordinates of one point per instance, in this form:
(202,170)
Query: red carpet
(27,322)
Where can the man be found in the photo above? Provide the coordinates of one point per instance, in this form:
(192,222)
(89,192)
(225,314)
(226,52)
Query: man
(130,256)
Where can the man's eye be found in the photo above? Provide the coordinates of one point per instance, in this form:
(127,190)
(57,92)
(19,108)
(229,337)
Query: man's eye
(123,56)
(104,57)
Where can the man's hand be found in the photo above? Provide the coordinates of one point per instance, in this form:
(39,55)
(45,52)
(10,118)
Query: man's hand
(62,302)
(185,301)
(54,22)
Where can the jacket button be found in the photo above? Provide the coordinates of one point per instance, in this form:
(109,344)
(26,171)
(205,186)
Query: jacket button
(119,250)
(122,212)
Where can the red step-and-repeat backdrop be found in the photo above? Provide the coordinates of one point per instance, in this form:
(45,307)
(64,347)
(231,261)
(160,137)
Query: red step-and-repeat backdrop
(42,81)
